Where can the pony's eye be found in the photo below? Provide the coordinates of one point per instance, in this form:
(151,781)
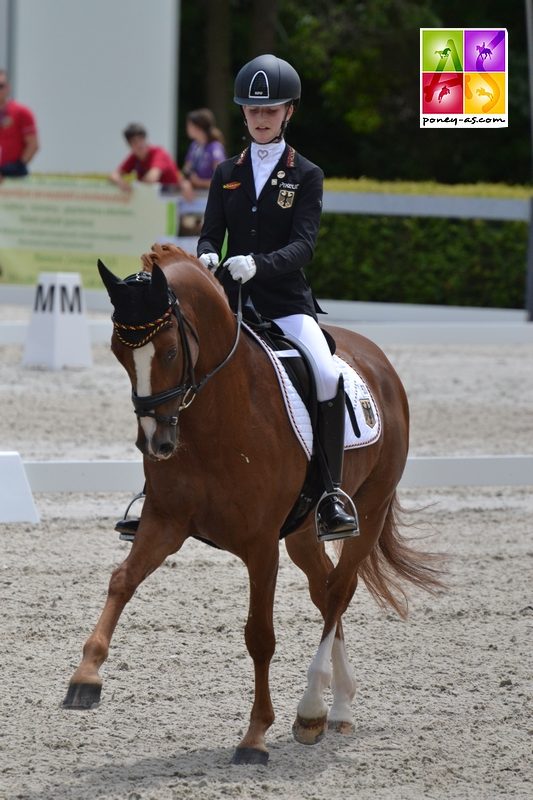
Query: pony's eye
(172,353)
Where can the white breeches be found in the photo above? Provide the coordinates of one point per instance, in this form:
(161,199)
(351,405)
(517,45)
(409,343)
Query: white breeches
(307,331)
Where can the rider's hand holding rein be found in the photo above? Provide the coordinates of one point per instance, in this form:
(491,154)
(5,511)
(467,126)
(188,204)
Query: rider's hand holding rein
(242,268)
(210,261)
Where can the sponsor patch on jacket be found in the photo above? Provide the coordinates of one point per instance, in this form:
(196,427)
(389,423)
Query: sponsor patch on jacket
(284,185)
(232,185)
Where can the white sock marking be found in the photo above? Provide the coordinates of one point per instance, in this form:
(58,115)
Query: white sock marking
(312,704)
(343,684)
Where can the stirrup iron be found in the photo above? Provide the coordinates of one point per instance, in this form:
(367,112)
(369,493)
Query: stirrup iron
(128,527)
(323,534)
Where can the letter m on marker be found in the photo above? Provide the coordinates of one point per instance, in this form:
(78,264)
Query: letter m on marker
(73,304)
(44,301)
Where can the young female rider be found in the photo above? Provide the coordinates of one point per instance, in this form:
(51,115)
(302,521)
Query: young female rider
(269,200)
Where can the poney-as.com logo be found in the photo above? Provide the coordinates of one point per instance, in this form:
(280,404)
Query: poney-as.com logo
(463,78)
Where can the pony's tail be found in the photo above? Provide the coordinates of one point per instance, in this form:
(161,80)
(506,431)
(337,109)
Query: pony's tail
(393,561)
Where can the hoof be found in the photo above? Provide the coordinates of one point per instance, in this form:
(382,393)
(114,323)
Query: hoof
(82,696)
(309,731)
(250,755)
(344,728)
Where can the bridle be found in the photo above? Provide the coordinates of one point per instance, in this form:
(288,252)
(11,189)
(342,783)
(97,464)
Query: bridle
(188,388)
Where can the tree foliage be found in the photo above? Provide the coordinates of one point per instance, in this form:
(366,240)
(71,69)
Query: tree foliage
(359,62)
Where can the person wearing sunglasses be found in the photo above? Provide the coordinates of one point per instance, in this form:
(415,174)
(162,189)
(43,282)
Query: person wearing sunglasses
(18,134)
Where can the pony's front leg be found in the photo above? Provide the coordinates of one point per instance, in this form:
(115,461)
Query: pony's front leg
(261,642)
(147,554)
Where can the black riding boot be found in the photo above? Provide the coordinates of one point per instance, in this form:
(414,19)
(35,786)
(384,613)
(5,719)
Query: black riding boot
(333,520)
(128,527)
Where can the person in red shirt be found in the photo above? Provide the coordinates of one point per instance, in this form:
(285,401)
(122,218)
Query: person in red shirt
(18,134)
(147,162)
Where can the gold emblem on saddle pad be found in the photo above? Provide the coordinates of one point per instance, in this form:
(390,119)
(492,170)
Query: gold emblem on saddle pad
(368,413)
(285,198)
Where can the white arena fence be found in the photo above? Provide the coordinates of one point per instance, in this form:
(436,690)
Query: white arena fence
(387,324)
(19,481)
(421,471)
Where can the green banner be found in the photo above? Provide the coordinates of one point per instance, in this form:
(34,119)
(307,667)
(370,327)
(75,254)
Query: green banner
(67,223)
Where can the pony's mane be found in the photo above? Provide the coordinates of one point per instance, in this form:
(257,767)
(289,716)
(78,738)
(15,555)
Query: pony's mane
(165,254)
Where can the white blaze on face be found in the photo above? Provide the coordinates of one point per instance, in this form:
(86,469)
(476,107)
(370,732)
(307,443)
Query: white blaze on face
(142,358)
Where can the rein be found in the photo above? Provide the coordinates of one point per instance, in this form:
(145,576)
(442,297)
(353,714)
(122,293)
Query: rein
(188,388)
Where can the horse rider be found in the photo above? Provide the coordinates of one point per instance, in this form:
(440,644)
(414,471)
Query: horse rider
(268,201)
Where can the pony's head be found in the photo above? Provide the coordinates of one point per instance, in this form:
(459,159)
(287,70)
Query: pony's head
(157,347)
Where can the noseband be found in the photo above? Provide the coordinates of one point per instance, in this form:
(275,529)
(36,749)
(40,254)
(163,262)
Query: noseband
(188,388)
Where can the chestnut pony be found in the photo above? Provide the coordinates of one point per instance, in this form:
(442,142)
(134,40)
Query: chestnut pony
(222,463)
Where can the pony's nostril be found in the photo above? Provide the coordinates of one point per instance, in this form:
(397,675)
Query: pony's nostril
(165,449)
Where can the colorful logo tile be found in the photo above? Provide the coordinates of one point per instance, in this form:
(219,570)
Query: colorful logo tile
(484,93)
(463,77)
(442,93)
(442,50)
(485,51)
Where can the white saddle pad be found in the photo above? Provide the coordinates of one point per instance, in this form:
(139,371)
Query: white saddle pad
(364,406)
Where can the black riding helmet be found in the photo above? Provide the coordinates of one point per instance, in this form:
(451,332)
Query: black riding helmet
(267,81)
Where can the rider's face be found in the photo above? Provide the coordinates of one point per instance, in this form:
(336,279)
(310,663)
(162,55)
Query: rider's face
(264,122)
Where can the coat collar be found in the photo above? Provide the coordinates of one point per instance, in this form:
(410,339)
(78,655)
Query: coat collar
(243,168)
(287,157)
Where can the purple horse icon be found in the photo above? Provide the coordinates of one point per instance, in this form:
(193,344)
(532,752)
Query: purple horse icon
(484,51)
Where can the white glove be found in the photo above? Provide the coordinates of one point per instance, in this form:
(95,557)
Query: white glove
(242,268)
(210,260)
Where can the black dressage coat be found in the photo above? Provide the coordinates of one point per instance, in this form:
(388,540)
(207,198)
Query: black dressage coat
(279,228)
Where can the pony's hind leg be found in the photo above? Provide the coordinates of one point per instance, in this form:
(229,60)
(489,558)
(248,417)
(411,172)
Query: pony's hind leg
(343,686)
(330,666)
(312,714)
(146,555)
(340,584)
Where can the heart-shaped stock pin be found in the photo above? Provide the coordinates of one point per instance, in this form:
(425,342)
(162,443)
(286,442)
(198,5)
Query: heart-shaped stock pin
(262,154)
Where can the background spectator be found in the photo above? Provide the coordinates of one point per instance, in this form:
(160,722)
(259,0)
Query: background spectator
(147,162)
(18,134)
(205,153)
(206,150)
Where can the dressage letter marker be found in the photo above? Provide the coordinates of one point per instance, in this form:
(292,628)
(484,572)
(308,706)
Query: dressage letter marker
(58,334)
(16,499)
